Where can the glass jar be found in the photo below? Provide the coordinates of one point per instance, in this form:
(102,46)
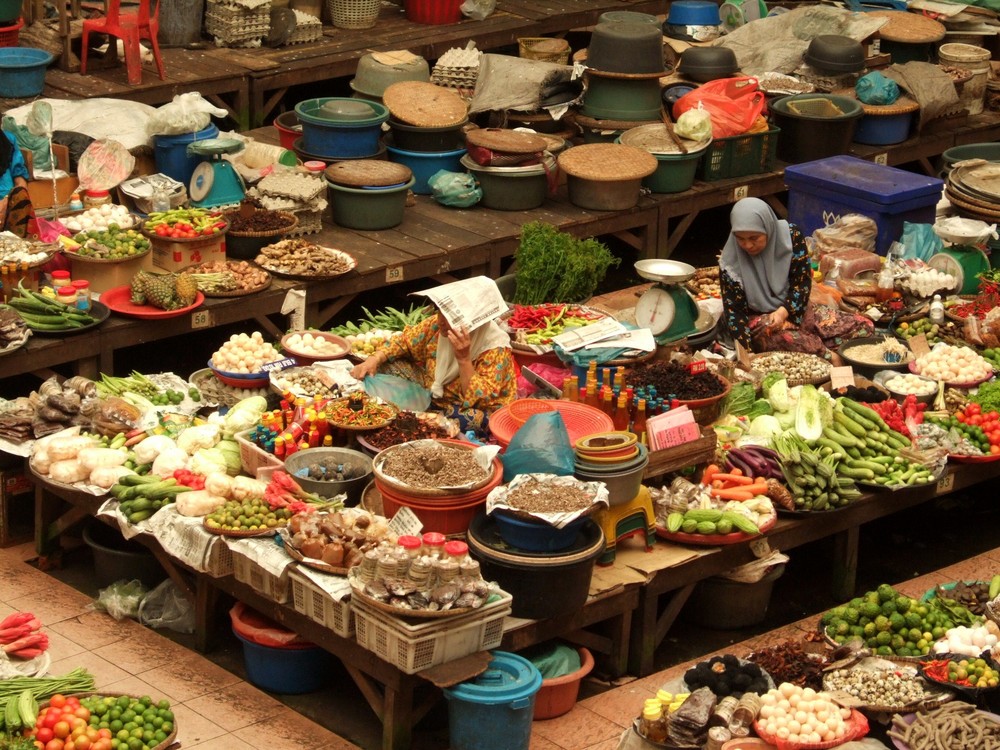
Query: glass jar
(411,544)
(66,295)
(82,287)
(433,543)
(93,198)
(60,279)
(456,550)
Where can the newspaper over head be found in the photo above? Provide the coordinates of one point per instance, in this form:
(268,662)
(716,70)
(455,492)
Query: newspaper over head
(468,302)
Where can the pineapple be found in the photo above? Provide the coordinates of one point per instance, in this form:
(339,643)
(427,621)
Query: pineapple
(161,292)
(138,287)
(186,289)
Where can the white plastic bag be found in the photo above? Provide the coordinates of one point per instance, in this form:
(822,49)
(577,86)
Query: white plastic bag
(477,10)
(187,113)
(167,607)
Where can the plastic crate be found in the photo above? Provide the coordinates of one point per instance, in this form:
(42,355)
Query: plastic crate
(740,155)
(317,605)
(415,647)
(255,458)
(247,571)
(9,34)
(219,561)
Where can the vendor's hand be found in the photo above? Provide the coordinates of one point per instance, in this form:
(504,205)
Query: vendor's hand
(778,318)
(461,342)
(368,367)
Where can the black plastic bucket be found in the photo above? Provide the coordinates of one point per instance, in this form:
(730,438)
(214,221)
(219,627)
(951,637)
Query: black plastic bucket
(117,558)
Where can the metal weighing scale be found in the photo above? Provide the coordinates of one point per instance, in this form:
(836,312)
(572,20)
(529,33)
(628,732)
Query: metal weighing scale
(666,308)
(736,13)
(965,263)
(215,182)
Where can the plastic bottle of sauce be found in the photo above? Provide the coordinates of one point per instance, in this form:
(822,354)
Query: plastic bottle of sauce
(620,417)
(82,289)
(639,423)
(936,313)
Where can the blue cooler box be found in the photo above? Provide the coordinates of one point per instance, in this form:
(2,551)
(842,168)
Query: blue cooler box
(820,192)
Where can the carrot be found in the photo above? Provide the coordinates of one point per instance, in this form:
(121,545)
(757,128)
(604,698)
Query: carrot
(710,471)
(736,472)
(734,478)
(733,493)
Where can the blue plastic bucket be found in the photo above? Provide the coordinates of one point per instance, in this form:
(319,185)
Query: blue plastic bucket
(170,152)
(289,671)
(883,130)
(350,136)
(22,71)
(494,710)
(424,164)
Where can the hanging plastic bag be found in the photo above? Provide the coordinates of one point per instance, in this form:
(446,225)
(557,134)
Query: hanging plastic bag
(920,241)
(121,599)
(167,607)
(875,88)
(541,446)
(403,393)
(733,103)
(50,231)
(458,189)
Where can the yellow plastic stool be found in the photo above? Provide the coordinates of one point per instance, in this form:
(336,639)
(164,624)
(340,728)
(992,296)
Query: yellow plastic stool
(634,518)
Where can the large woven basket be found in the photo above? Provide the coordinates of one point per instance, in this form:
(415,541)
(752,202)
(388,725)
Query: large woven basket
(353,14)
(544,48)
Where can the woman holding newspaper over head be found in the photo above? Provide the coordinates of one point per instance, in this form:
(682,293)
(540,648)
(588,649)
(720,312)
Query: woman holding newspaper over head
(461,355)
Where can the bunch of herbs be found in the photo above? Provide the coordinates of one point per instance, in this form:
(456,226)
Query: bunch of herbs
(555,266)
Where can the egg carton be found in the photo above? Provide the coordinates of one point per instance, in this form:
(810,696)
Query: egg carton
(310,222)
(826,83)
(459,57)
(236,23)
(296,185)
(308,28)
(283,203)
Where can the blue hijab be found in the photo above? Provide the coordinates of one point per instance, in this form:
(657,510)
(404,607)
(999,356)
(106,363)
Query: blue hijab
(764,277)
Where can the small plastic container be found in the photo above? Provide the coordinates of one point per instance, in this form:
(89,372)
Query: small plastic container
(66,295)
(456,550)
(75,204)
(314,166)
(433,543)
(82,289)
(60,279)
(411,544)
(93,198)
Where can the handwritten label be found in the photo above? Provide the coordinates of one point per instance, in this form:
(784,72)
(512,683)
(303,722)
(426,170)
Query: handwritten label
(945,484)
(202,319)
(698,366)
(393,274)
(405,522)
(760,547)
(740,192)
(841,377)
(918,345)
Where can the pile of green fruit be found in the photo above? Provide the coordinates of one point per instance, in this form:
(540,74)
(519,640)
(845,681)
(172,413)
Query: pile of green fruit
(112,243)
(992,356)
(973,672)
(921,325)
(710,521)
(134,723)
(892,624)
(247,515)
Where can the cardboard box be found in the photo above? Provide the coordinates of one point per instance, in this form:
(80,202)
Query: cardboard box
(173,255)
(17,507)
(105,276)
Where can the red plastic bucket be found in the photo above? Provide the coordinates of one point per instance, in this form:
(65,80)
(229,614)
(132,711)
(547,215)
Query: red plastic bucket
(433,11)
(448,519)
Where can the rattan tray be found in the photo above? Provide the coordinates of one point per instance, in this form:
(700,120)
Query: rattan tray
(248,534)
(791,382)
(908,28)
(77,257)
(424,104)
(607,162)
(368,173)
(312,562)
(505,141)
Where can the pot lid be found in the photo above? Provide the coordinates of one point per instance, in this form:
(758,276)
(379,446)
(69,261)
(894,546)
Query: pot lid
(547,165)
(835,53)
(659,138)
(424,104)
(505,141)
(607,162)
(368,173)
(507,679)
(346,109)
(485,542)
(908,28)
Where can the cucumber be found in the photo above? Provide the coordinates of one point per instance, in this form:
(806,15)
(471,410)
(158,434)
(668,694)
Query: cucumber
(843,420)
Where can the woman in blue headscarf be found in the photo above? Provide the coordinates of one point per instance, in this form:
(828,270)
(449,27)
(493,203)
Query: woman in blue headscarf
(765,277)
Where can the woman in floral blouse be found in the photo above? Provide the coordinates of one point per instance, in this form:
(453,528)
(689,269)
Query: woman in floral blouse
(470,374)
(765,276)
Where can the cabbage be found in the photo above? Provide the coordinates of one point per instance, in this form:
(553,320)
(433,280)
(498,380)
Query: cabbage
(785,418)
(244,414)
(766,426)
(740,399)
(760,406)
(808,416)
(777,394)
(231,451)
(197,437)
(207,461)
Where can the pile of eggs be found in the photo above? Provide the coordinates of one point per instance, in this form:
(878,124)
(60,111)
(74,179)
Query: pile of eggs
(793,714)
(245,354)
(954,364)
(100,217)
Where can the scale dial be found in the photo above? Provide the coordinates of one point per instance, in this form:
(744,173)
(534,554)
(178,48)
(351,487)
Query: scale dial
(202,180)
(655,310)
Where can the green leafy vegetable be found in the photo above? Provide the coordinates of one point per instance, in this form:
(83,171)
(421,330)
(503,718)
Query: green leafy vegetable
(740,399)
(808,417)
(554,266)
(761,408)
(988,396)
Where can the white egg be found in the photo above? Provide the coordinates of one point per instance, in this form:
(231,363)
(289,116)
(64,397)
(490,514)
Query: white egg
(845,713)
(794,726)
(766,711)
(782,733)
(787,689)
(801,717)
(768,699)
(784,705)
(822,715)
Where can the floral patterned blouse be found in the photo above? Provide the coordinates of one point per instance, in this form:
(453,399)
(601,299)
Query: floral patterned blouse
(736,309)
(493,385)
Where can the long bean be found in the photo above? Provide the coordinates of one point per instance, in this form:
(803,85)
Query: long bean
(77,681)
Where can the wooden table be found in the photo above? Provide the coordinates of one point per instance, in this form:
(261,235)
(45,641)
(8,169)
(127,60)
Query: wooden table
(669,587)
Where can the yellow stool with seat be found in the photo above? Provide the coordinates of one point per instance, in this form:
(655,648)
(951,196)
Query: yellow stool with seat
(634,518)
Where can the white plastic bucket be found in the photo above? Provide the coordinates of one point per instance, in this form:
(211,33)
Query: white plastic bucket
(977,61)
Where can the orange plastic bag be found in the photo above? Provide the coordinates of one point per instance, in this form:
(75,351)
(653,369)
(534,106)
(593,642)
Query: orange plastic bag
(733,104)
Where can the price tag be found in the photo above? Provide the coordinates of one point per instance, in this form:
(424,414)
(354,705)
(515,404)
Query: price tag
(918,345)
(841,377)
(760,547)
(945,484)
(280,364)
(405,522)
(874,313)
(393,274)
(696,367)
(202,319)
(740,192)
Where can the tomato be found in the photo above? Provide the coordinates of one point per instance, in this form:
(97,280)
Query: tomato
(69,745)
(58,700)
(61,729)
(82,743)
(973,408)
(104,733)
(960,417)
(51,718)
(54,745)
(43,734)
(82,713)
